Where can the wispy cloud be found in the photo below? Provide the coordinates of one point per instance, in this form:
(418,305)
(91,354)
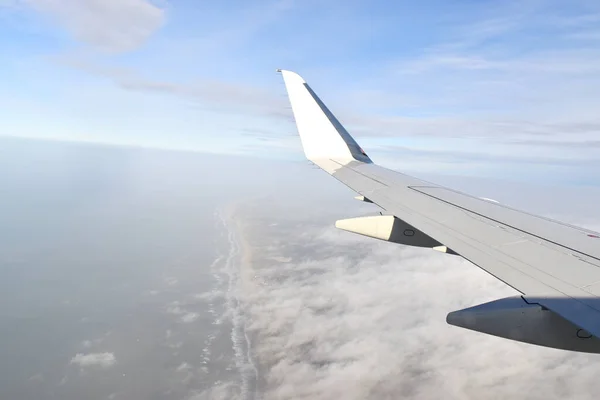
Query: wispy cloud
(219,391)
(101,360)
(562,144)
(474,157)
(179,309)
(109,25)
(189,317)
(211,93)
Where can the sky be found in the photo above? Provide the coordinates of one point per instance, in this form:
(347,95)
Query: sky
(124,259)
(486,88)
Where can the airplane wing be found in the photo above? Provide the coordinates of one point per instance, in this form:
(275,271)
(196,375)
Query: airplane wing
(554,265)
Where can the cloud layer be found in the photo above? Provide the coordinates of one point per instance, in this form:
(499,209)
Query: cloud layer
(353,318)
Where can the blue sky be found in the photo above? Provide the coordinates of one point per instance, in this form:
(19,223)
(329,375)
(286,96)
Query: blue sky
(502,88)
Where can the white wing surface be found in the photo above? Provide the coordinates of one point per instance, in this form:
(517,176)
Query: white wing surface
(555,266)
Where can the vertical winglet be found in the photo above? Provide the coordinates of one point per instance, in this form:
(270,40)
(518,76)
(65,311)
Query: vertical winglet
(324,139)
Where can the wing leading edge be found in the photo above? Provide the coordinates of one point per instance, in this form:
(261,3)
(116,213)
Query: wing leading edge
(554,265)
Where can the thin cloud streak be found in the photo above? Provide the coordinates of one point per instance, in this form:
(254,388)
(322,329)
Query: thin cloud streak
(219,95)
(108,25)
(101,360)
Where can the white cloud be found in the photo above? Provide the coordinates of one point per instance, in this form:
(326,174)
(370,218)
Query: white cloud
(102,360)
(189,317)
(219,391)
(89,343)
(176,345)
(177,308)
(185,373)
(111,25)
(171,281)
(37,378)
(184,367)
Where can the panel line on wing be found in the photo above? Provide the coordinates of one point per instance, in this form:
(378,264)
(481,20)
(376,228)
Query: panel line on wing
(564,246)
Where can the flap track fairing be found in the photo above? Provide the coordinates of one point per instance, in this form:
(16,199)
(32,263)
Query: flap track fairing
(391,229)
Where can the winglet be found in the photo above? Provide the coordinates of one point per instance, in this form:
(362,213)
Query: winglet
(324,139)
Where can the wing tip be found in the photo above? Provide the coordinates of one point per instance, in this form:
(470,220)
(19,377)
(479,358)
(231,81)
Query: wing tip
(290,74)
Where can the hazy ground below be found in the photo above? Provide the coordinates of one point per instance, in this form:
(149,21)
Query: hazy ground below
(142,274)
